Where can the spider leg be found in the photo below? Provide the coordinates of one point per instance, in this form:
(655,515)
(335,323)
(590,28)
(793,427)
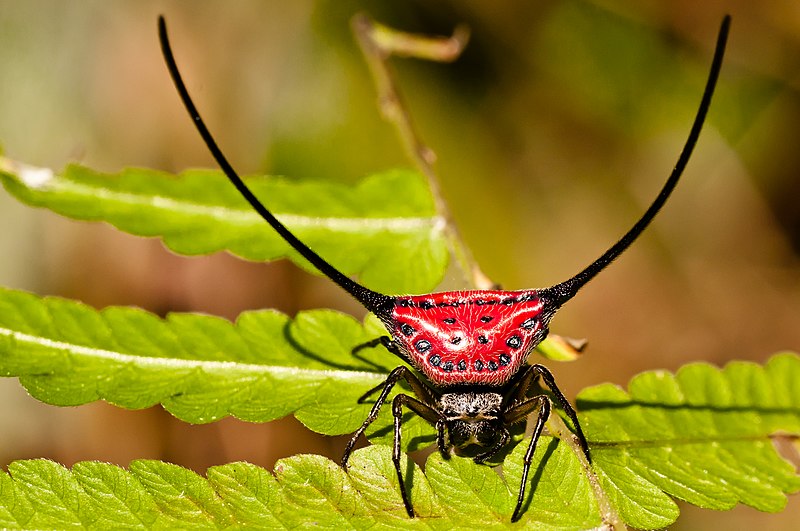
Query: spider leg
(519,389)
(441,439)
(386,341)
(423,410)
(547,376)
(518,407)
(387,385)
(515,414)
(400,373)
(363,398)
(417,387)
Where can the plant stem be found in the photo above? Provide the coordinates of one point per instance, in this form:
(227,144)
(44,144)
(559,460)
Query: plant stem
(378,43)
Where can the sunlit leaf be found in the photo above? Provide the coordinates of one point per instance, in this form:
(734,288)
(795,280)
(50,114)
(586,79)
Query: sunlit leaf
(384,230)
(702,435)
(66,353)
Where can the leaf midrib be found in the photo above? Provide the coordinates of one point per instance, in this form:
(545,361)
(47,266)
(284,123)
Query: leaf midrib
(82,350)
(679,441)
(246,216)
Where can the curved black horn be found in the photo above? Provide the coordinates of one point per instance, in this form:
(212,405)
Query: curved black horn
(561,293)
(373,301)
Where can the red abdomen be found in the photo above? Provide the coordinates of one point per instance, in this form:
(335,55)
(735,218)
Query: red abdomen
(468,337)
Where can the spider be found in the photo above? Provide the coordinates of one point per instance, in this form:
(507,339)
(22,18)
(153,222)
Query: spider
(466,351)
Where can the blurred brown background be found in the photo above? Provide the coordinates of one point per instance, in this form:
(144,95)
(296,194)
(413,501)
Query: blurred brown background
(553,133)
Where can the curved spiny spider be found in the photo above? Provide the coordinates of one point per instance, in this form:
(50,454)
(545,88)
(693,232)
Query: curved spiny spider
(468,349)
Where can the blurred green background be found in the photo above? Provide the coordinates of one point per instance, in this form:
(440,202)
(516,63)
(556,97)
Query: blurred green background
(553,133)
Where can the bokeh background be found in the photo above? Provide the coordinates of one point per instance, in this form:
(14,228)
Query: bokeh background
(553,133)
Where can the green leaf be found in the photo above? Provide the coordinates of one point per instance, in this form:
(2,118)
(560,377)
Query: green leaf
(200,368)
(372,474)
(562,497)
(266,366)
(251,494)
(118,498)
(182,495)
(319,490)
(692,436)
(702,435)
(53,495)
(384,229)
(469,493)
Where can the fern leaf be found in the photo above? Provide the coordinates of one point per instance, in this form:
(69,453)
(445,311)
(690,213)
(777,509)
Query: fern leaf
(384,229)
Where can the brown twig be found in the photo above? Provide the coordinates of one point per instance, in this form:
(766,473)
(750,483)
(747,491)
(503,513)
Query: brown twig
(379,43)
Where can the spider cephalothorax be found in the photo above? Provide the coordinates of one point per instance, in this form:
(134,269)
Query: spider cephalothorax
(471,347)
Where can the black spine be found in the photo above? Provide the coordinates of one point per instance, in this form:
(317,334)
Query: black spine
(560,293)
(375,302)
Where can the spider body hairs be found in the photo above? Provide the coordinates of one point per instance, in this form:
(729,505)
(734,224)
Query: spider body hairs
(468,348)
